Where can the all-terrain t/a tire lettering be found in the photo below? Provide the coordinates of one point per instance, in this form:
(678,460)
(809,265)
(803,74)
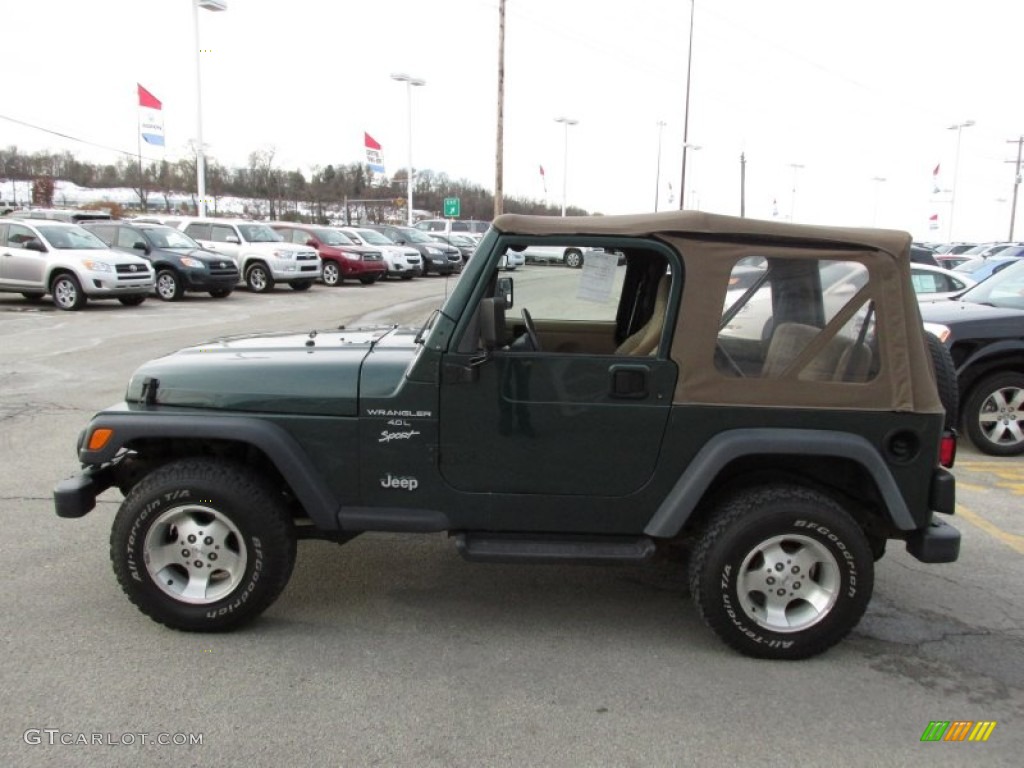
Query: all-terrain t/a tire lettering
(781,572)
(202,545)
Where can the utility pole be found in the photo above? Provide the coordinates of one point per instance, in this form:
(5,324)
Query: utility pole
(1016,182)
(499,152)
(686,113)
(743,185)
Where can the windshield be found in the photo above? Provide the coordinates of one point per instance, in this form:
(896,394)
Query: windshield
(332,237)
(259,233)
(1004,289)
(68,238)
(170,238)
(461,240)
(415,236)
(373,237)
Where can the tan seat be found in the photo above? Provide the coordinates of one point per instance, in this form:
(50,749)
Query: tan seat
(645,340)
(841,359)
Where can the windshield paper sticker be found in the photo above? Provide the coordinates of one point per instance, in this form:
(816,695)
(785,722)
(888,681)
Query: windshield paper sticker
(598,276)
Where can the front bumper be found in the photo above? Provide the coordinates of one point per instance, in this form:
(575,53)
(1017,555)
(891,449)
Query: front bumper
(938,542)
(76,496)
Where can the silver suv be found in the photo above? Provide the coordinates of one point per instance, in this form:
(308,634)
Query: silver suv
(72,265)
(262,256)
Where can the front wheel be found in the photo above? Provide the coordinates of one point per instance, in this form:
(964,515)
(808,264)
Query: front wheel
(574,258)
(331,275)
(220,293)
(781,572)
(368,279)
(67,292)
(258,278)
(168,285)
(202,545)
(132,301)
(301,285)
(994,414)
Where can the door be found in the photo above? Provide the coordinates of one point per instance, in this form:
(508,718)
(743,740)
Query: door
(567,419)
(22,269)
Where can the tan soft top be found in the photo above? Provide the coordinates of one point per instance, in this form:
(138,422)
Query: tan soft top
(698,223)
(711,244)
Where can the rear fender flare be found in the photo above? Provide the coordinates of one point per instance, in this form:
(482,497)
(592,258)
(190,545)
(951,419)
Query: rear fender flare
(682,500)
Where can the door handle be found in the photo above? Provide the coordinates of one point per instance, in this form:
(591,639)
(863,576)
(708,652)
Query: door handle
(629,381)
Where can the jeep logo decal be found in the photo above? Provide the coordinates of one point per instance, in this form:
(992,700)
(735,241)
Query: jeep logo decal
(403,483)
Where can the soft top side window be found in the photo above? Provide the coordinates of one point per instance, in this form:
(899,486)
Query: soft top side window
(799,318)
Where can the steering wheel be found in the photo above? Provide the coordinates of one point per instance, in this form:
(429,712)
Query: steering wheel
(531,330)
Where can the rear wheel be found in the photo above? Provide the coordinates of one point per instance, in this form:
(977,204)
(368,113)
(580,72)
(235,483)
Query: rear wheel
(574,258)
(331,275)
(168,285)
(202,545)
(67,292)
(258,278)
(781,572)
(33,296)
(994,414)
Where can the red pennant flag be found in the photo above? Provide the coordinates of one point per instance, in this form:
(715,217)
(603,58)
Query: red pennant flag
(148,100)
(371,143)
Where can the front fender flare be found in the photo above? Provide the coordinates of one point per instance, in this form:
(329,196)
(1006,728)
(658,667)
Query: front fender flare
(283,450)
(679,504)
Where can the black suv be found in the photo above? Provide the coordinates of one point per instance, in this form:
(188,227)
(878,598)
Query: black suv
(439,258)
(984,330)
(181,264)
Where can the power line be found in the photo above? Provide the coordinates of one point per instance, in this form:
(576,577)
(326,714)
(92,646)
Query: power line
(66,136)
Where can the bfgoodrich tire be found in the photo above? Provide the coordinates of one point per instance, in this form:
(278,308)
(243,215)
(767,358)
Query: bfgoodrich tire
(781,572)
(945,378)
(202,545)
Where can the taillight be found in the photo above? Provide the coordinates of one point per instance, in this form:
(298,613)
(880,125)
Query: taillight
(947,449)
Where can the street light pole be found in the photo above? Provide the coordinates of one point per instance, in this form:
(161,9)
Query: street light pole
(657,174)
(209,5)
(409,83)
(956,171)
(566,121)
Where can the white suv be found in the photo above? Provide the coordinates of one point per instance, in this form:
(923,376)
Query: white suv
(262,255)
(402,261)
(72,265)
(470,227)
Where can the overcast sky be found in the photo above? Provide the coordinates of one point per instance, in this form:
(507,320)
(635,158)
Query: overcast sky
(850,91)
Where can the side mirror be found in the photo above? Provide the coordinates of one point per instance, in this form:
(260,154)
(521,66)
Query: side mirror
(312,243)
(140,246)
(504,290)
(232,239)
(401,240)
(492,322)
(35,245)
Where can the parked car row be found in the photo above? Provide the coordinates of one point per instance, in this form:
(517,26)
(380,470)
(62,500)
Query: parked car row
(129,260)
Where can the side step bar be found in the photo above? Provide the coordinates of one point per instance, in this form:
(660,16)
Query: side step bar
(553,548)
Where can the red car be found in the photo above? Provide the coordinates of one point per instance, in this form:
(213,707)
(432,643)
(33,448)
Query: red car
(340,257)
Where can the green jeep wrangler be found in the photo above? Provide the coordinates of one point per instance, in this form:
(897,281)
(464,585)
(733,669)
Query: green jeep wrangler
(758,396)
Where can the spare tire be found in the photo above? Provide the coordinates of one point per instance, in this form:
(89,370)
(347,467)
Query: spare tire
(945,378)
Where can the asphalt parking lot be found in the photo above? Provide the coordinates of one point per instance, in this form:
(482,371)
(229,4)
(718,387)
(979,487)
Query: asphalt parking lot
(391,650)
